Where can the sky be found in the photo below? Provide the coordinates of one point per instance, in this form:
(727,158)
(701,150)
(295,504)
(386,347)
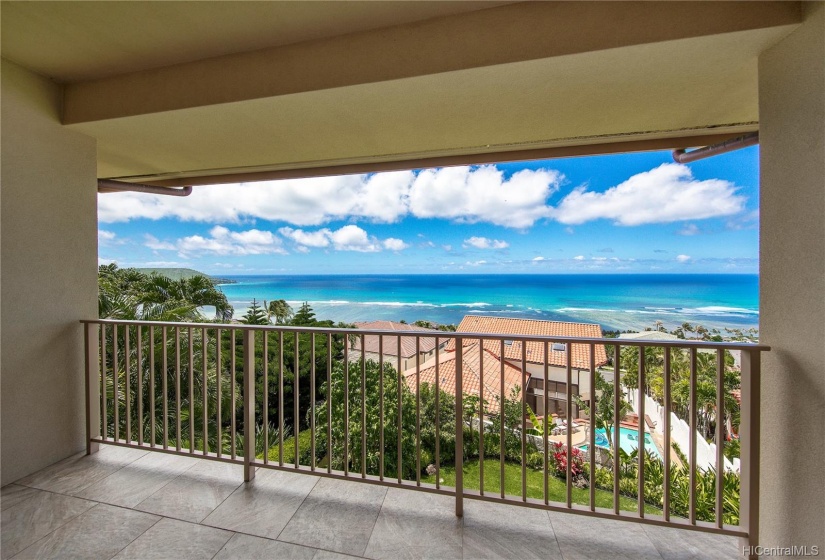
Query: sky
(624,213)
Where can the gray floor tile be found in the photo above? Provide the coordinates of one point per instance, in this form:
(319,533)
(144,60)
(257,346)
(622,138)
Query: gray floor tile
(76,473)
(101,532)
(13,494)
(588,538)
(32,519)
(195,493)
(137,481)
(170,538)
(329,555)
(679,544)
(506,531)
(338,515)
(246,547)
(416,525)
(264,506)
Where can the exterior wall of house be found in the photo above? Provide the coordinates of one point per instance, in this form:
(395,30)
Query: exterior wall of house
(792,284)
(406,363)
(49,274)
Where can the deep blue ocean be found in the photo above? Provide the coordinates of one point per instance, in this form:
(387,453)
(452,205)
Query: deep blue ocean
(614,301)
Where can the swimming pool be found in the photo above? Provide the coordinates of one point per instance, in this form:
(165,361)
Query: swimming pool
(628,441)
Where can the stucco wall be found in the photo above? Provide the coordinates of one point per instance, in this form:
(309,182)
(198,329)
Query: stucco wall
(48,274)
(792,291)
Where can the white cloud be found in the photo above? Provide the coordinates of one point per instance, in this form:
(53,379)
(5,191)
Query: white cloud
(485,243)
(105,237)
(538,259)
(482,194)
(103,260)
(689,229)
(394,244)
(668,193)
(319,238)
(156,244)
(476,263)
(447,248)
(579,258)
(222,241)
(467,194)
(347,238)
(683,258)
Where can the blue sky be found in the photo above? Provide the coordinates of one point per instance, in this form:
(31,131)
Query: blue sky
(627,213)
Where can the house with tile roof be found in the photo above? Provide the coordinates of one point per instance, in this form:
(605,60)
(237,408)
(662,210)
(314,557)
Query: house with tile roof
(481,374)
(394,349)
(531,356)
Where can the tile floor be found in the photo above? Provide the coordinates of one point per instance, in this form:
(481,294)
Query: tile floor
(129,503)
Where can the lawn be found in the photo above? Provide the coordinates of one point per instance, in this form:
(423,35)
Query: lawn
(535,485)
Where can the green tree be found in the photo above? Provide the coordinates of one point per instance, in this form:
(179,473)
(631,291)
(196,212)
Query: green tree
(349,389)
(255,315)
(278,309)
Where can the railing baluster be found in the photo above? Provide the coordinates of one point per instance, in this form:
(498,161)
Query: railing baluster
(720,435)
(569,420)
(265,407)
(400,393)
(749,417)
(127,387)
(437,420)
(346,405)
(592,443)
(501,445)
(90,342)
(329,403)
(233,435)
(104,412)
(523,421)
(311,400)
(249,405)
(281,399)
(115,383)
(165,388)
(459,432)
(480,415)
(140,383)
(363,410)
(297,400)
(692,423)
(668,400)
(177,388)
(546,423)
(617,423)
(191,392)
(418,411)
(381,408)
(205,387)
(152,372)
(218,389)
(641,432)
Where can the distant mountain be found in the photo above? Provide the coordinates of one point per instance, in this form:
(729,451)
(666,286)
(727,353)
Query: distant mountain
(178,273)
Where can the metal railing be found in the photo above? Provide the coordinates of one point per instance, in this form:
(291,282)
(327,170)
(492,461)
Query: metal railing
(239,393)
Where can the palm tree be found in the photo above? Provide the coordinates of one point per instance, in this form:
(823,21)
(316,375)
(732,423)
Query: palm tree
(278,309)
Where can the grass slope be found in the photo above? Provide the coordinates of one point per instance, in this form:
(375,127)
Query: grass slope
(556,488)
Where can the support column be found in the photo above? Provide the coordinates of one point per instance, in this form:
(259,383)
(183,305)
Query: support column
(792,285)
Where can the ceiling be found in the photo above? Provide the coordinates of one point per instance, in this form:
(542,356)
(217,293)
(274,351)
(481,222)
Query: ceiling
(178,92)
(78,41)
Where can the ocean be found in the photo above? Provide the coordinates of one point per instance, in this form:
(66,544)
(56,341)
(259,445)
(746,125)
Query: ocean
(624,302)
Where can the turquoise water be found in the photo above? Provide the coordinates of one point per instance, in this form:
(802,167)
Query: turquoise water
(628,441)
(613,301)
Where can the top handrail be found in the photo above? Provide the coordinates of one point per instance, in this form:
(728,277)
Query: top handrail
(681,343)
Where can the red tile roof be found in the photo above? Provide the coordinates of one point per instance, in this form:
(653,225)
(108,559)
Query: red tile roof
(472,375)
(535,350)
(426,343)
